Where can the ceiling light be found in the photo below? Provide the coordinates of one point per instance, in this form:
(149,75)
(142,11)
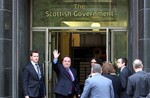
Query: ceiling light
(95,25)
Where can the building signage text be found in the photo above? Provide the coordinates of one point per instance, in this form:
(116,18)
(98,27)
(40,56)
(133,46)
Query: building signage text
(81,11)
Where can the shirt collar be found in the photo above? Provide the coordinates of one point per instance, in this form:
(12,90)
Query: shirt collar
(122,68)
(33,63)
(94,74)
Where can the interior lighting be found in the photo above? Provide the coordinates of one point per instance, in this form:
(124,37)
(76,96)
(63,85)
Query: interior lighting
(95,25)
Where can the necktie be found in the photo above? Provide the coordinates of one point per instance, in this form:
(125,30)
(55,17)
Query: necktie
(70,74)
(38,71)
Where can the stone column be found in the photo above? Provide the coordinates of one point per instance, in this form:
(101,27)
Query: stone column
(14,45)
(144,33)
(20,42)
(5,48)
(133,33)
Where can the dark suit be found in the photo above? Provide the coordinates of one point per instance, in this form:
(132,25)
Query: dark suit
(64,84)
(124,74)
(134,84)
(32,85)
(116,84)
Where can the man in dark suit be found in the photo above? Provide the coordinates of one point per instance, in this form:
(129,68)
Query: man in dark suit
(33,79)
(67,84)
(124,74)
(134,87)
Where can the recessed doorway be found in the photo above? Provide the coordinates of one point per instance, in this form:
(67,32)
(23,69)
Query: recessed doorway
(81,44)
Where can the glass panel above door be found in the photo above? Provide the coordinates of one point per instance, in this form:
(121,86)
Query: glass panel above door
(118,44)
(79,13)
(38,43)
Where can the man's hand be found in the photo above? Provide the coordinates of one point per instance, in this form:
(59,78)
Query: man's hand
(56,54)
(44,97)
(26,96)
(79,96)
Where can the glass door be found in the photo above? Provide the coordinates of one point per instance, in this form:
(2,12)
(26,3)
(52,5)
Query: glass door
(38,43)
(45,42)
(118,46)
(112,42)
(52,45)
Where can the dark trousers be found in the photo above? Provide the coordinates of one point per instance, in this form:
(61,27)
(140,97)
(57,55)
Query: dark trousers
(37,97)
(124,95)
(61,96)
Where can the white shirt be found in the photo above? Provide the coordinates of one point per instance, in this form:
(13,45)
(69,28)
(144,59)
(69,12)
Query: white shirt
(122,68)
(35,67)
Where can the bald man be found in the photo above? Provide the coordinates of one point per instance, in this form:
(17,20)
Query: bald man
(134,86)
(97,86)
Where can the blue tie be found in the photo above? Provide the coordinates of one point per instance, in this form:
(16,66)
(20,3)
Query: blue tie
(38,71)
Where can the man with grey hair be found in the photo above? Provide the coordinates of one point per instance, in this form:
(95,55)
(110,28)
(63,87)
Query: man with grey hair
(97,86)
(134,86)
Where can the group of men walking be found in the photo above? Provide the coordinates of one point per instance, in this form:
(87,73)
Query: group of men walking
(96,85)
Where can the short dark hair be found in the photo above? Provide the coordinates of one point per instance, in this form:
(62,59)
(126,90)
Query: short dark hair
(124,60)
(98,60)
(33,51)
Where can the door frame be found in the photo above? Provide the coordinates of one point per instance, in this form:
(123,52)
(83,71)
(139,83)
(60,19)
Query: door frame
(112,31)
(109,30)
(48,48)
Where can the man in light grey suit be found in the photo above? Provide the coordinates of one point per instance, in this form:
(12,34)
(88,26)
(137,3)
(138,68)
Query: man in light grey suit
(97,86)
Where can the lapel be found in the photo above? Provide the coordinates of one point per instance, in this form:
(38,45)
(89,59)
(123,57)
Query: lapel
(66,73)
(41,70)
(72,72)
(33,71)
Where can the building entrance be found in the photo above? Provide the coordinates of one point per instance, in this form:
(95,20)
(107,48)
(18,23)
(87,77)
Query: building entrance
(81,44)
